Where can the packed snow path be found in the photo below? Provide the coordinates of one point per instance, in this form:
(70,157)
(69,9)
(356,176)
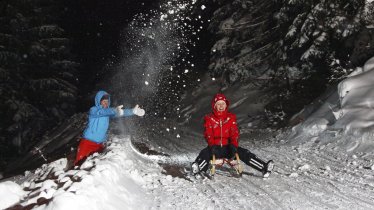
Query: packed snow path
(305,177)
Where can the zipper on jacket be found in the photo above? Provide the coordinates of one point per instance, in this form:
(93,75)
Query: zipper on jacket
(220,125)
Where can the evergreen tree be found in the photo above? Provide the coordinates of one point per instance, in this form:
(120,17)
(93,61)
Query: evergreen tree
(37,72)
(297,46)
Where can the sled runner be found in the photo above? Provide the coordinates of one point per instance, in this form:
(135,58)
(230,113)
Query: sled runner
(233,164)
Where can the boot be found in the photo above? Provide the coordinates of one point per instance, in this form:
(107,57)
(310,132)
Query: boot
(268,168)
(195,168)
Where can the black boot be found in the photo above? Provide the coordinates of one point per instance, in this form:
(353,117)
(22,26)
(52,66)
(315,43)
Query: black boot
(252,160)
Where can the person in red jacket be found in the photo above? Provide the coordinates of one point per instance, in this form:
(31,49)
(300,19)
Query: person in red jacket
(222,134)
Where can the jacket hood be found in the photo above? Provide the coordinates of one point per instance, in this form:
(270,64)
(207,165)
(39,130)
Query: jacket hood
(98,97)
(219,97)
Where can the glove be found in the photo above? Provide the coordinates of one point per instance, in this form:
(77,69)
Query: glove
(119,110)
(138,111)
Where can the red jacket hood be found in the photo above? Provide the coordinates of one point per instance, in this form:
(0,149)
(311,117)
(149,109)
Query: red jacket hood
(219,97)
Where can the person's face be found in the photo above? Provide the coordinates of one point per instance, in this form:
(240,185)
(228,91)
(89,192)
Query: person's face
(220,106)
(104,103)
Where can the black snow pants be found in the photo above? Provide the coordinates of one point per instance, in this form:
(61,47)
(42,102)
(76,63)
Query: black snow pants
(228,152)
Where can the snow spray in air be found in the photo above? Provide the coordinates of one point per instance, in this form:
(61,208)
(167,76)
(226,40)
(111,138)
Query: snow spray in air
(156,63)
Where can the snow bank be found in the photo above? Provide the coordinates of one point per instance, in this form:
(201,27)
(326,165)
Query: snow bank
(113,183)
(357,100)
(350,109)
(345,118)
(110,180)
(10,194)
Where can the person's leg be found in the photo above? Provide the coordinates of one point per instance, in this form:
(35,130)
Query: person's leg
(202,161)
(85,149)
(221,152)
(232,150)
(252,160)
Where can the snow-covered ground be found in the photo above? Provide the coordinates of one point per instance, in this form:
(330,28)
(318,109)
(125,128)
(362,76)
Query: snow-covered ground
(324,163)
(305,177)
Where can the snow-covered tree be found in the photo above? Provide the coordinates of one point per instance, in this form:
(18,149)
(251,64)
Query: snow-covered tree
(297,46)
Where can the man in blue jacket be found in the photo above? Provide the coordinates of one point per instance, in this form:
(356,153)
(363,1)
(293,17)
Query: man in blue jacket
(95,134)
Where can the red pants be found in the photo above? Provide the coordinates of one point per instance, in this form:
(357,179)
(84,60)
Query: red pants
(86,148)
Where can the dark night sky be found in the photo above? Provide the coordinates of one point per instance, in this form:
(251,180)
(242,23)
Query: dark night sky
(95,26)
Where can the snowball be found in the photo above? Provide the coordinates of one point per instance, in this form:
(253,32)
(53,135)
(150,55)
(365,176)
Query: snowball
(169,177)
(294,175)
(146,83)
(203,7)
(304,167)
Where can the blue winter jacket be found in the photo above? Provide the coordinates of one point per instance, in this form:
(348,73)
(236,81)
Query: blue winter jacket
(98,120)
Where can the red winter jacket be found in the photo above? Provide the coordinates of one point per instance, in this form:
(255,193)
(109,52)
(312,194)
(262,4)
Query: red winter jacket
(221,127)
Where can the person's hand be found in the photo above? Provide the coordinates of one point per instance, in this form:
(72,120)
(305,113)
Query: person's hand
(138,111)
(119,110)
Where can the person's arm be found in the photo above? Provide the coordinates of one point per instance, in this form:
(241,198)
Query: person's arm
(123,112)
(234,132)
(129,112)
(208,131)
(101,112)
